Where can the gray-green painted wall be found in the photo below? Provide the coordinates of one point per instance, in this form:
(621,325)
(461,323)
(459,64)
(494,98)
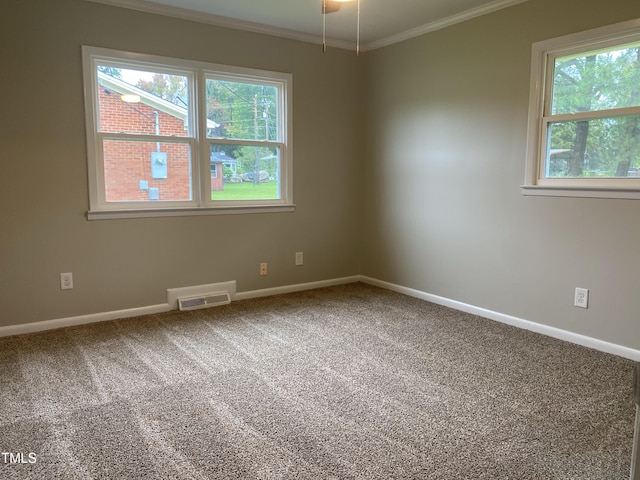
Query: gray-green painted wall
(446,130)
(121,264)
(423,143)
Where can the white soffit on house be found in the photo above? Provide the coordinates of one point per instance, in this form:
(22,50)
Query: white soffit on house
(383,22)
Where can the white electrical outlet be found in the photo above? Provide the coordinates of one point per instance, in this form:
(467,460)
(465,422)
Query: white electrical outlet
(299,258)
(263,269)
(581,298)
(66,281)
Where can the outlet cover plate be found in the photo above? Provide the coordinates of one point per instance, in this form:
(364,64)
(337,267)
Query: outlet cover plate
(581,298)
(66,281)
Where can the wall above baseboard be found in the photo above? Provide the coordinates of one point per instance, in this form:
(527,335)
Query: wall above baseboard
(553,332)
(82,320)
(172,295)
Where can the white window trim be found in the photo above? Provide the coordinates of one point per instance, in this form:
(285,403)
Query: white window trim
(201,204)
(535,184)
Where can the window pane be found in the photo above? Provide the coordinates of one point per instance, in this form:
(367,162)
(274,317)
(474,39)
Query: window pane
(248,172)
(597,81)
(243,111)
(605,147)
(142,102)
(140,171)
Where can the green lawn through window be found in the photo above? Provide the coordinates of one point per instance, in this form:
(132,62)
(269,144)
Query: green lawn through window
(247,191)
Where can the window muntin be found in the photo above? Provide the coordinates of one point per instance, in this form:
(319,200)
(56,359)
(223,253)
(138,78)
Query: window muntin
(584,124)
(148,148)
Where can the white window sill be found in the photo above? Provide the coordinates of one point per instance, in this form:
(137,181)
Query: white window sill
(179,212)
(582,192)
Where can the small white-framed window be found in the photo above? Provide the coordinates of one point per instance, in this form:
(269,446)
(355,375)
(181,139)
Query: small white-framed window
(168,137)
(584,114)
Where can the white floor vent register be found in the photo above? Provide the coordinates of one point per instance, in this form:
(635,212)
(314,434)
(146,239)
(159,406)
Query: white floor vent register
(204,301)
(201,296)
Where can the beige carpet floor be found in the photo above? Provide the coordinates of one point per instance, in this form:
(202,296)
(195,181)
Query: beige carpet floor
(349,382)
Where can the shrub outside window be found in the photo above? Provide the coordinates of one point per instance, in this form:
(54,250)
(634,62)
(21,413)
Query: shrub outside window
(584,114)
(170,137)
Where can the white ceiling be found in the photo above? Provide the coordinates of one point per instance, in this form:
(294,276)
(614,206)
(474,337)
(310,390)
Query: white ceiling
(382,22)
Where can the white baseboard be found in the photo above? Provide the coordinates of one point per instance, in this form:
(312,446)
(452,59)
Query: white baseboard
(554,332)
(267,292)
(81,320)
(172,295)
(560,334)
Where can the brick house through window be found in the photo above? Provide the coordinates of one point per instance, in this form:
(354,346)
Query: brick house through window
(145,170)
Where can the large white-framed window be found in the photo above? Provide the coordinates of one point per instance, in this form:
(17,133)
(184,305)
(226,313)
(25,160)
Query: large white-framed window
(167,136)
(584,114)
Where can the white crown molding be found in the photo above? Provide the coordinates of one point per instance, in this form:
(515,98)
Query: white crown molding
(184,14)
(218,21)
(442,23)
